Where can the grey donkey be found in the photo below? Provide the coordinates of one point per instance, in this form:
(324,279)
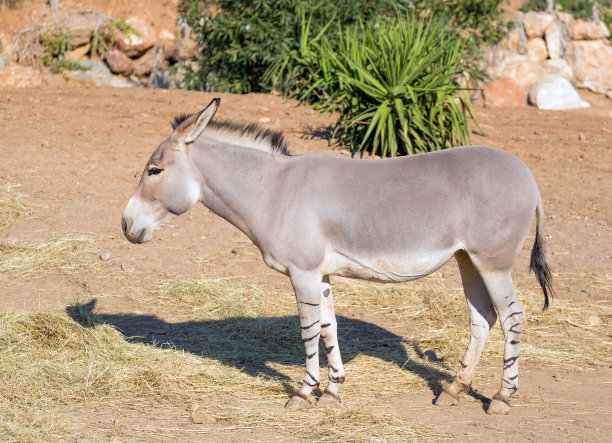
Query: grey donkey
(390,220)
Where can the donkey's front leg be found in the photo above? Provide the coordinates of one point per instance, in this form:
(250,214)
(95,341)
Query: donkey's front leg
(307,287)
(330,339)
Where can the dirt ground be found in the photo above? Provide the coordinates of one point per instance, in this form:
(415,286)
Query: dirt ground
(77,154)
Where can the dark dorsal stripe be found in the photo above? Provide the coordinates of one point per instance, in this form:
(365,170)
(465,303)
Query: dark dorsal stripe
(274,139)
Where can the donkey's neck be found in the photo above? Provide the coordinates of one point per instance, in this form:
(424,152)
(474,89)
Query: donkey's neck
(238,182)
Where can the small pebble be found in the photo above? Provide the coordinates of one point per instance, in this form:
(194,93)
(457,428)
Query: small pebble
(581,137)
(586,291)
(264,120)
(556,376)
(127,267)
(105,255)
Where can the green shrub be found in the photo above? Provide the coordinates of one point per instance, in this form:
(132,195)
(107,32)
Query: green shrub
(103,38)
(245,37)
(54,47)
(396,86)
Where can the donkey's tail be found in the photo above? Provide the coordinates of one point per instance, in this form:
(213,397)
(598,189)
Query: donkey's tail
(538,258)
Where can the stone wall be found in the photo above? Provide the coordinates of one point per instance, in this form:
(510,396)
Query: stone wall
(544,47)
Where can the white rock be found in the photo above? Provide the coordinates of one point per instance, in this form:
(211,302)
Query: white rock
(554,40)
(536,49)
(555,95)
(522,69)
(592,61)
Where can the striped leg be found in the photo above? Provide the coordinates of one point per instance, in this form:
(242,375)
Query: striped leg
(307,287)
(329,335)
(511,320)
(482,318)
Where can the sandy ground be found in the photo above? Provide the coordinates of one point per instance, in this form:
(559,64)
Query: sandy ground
(78,154)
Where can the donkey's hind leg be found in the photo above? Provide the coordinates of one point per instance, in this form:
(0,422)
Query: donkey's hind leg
(329,335)
(482,318)
(510,313)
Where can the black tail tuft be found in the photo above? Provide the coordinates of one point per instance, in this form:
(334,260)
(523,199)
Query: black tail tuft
(540,268)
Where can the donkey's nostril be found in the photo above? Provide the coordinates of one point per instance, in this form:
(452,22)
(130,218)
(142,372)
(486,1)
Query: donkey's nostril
(123,226)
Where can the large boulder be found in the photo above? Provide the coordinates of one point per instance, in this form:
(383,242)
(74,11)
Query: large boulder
(522,69)
(535,23)
(558,67)
(554,40)
(589,30)
(504,92)
(82,24)
(136,43)
(536,49)
(119,63)
(592,60)
(555,95)
(98,74)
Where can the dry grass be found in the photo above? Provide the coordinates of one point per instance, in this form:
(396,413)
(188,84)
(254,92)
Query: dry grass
(12,207)
(64,254)
(242,352)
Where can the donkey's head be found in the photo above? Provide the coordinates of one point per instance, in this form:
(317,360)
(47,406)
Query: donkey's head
(170,183)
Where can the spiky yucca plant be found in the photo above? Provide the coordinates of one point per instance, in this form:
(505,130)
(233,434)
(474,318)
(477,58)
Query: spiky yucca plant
(396,85)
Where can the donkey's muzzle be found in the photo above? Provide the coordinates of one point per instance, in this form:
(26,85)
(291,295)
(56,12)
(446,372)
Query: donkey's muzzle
(134,236)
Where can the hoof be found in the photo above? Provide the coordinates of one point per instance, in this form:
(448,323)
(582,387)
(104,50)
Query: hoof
(499,407)
(446,399)
(297,402)
(329,400)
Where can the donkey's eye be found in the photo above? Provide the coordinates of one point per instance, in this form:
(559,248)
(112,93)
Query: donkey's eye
(155,171)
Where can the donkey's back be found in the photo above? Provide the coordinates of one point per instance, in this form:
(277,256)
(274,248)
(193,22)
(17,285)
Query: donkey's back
(400,219)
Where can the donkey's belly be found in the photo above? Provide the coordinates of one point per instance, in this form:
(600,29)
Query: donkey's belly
(384,268)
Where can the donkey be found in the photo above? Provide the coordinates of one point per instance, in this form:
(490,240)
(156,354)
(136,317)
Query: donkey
(390,220)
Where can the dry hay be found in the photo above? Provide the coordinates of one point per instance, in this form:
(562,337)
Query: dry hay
(59,253)
(56,360)
(12,207)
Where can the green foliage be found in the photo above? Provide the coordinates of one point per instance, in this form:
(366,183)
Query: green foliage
(396,86)
(103,38)
(245,37)
(9,3)
(54,47)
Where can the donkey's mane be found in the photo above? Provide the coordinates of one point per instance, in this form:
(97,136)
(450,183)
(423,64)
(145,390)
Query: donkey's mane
(249,135)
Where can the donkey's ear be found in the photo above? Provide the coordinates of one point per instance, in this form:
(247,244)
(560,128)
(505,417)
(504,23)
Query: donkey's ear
(201,120)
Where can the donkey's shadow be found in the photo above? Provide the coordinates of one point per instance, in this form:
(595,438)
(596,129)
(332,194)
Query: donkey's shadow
(251,344)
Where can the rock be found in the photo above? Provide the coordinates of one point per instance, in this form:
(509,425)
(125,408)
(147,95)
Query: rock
(589,30)
(166,35)
(535,23)
(522,69)
(105,255)
(202,418)
(18,76)
(556,95)
(146,63)
(558,67)
(264,120)
(78,53)
(592,62)
(119,63)
(536,49)
(593,320)
(135,44)
(99,75)
(504,92)
(184,48)
(554,40)
(82,25)
(127,267)
(4,61)
(514,41)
